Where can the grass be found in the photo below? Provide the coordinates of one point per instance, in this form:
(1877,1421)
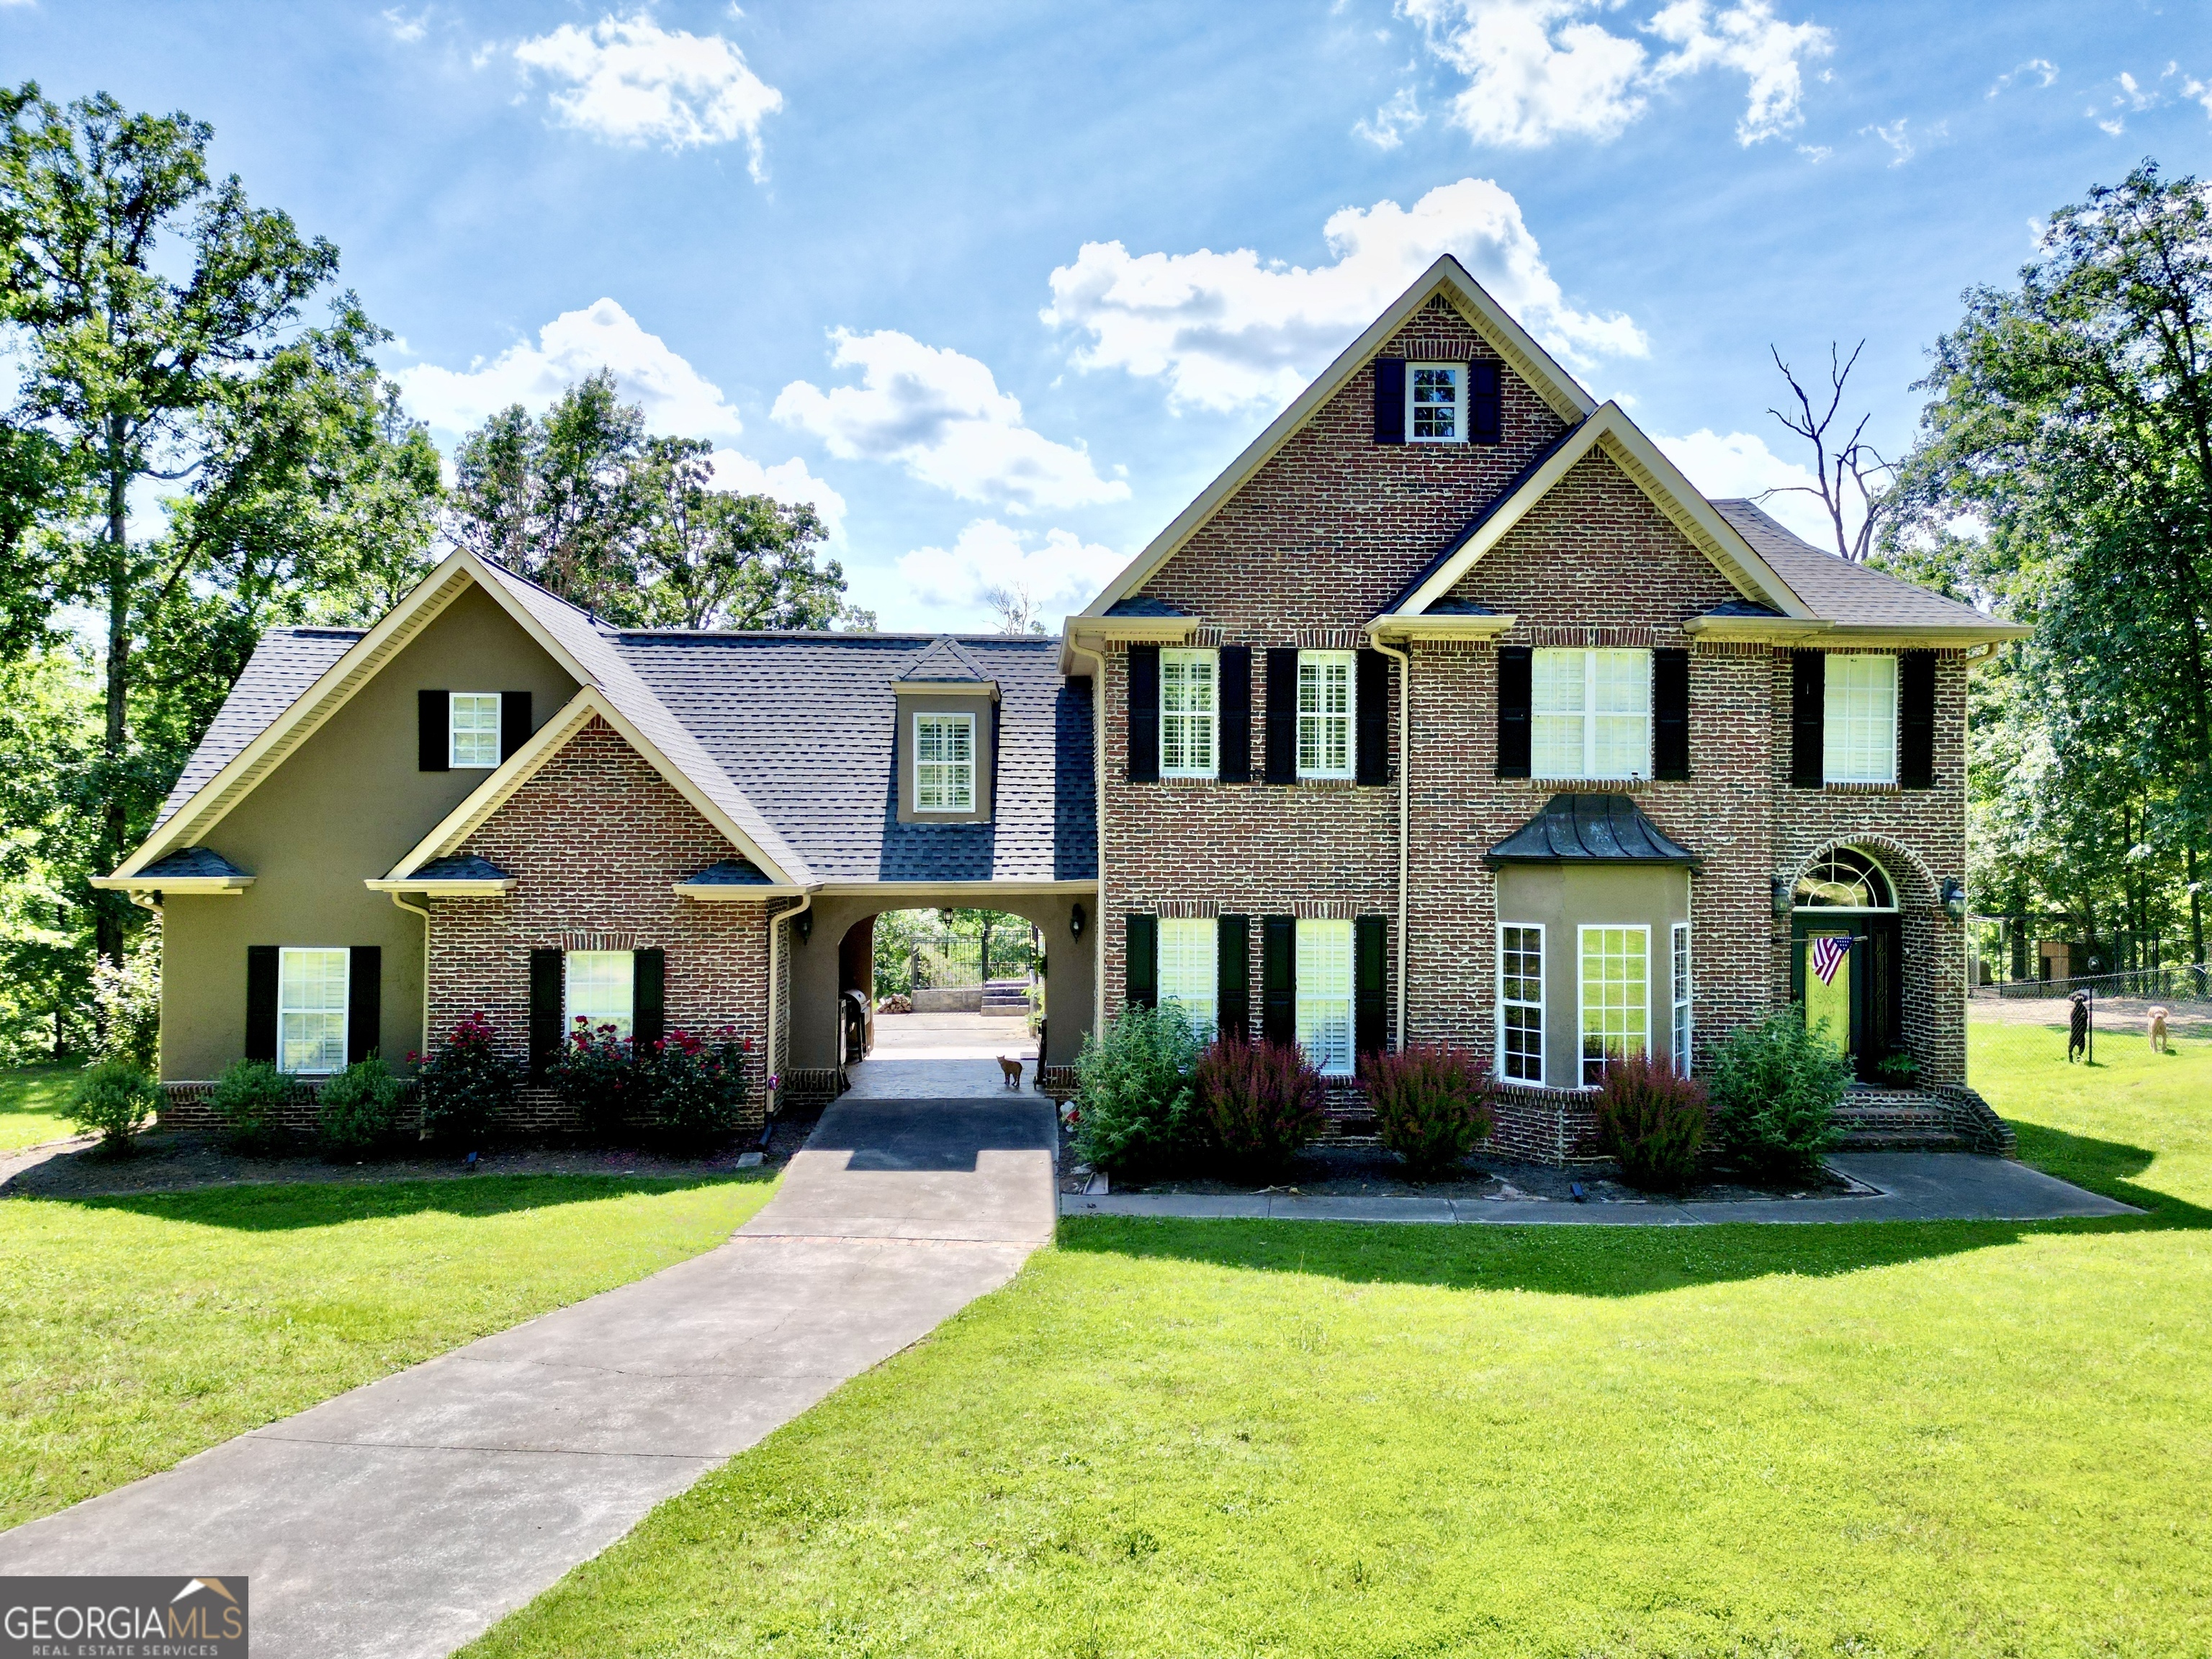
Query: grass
(1276,1438)
(31,1099)
(141,1330)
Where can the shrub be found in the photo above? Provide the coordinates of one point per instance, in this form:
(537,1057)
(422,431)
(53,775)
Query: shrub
(126,1001)
(1431,1104)
(1898,1069)
(600,1078)
(466,1085)
(358,1110)
(250,1098)
(698,1095)
(1653,1121)
(1133,1112)
(112,1099)
(1258,1104)
(1775,1089)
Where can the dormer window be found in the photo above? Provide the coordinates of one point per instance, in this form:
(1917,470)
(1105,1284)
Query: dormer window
(472,730)
(1436,403)
(944,763)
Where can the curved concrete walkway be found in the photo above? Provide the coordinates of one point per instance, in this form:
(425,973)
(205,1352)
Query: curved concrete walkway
(405,1517)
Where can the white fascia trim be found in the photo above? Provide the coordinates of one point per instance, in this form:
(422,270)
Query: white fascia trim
(177,884)
(1785,630)
(489,888)
(734,892)
(1398,626)
(1661,482)
(1550,380)
(525,764)
(946,689)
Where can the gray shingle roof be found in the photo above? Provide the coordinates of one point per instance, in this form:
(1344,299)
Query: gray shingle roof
(1585,829)
(1838,591)
(461,867)
(1143,604)
(192,861)
(946,660)
(286,663)
(730,872)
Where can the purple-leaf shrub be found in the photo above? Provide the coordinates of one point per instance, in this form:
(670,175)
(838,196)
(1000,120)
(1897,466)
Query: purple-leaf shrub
(1258,1104)
(1431,1101)
(1653,1121)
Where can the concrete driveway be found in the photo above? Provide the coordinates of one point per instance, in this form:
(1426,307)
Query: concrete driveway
(405,1517)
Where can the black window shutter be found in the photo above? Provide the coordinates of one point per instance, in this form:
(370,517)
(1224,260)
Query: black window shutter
(1916,720)
(545,1032)
(261,1002)
(514,721)
(1389,400)
(1282,760)
(1371,713)
(1485,405)
(1371,1024)
(1233,977)
(1141,966)
(1516,668)
(1279,979)
(1144,714)
(1808,719)
(1236,671)
(648,997)
(433,713)
(364,1001)
(1670,713)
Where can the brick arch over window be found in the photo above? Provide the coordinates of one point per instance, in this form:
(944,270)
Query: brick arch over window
(1916,888)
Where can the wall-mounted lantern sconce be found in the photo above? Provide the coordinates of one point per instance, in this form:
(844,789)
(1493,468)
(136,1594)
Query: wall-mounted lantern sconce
(1075,920)
(803,924)
(1784,887)
(1954,899)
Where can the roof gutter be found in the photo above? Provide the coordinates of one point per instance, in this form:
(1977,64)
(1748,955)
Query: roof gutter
(1073,647)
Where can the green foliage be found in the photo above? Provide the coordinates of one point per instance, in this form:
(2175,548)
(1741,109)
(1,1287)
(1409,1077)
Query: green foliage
(357,1111)
(1431,1104)
(1259,1105)
(114,1099)
(467,1085)
(127,1004)
(630,526)
(604,1082)
(1775,1089)
(698,1091)
(1652,1122)
(1134,1104)
(250,1098)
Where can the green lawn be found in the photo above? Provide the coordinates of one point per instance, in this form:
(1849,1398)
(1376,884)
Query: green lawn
(30,1104)
(1248,1438)
(140,1330)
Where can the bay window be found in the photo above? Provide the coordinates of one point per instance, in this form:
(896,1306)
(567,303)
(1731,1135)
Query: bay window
(1616,999)
(1521,1003)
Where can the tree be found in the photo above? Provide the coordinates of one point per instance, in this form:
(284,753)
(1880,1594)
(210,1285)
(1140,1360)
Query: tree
(631,527)
(1852,467)
(156,318)
(1018,612)
(2070,419)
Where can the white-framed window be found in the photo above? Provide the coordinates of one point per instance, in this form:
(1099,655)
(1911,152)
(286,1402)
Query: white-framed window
(1520,1002)
(1616,996)
(1190,968)
(1325,694)
(1436,403)
(312,986)
(1859,719)
(1681,1027)
(1590,713)
(1188,711)
(472,729)
(601,987)
(1324,1005)
(944,763)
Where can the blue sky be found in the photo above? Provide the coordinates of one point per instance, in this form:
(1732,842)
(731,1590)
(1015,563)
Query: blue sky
(1001,286)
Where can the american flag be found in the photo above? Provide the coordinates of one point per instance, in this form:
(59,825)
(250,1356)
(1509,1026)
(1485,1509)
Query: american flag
(1828,952)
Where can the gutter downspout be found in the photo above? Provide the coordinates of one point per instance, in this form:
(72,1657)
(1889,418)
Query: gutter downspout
(1097,654)
(423,911)
(1405,660)
(775,929)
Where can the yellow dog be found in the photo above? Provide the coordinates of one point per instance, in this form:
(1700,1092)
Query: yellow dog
(2158,1044)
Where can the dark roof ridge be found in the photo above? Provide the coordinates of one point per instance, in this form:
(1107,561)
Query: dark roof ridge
(856,635)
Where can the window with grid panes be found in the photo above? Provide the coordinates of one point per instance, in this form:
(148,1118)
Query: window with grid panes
(1682,1031)
(600,989)
(1324,995)
(1187,714)
(944,763)
(1436,403)
(311,1010)
(473,729)
(1325,693)
(1521,1003)
(1190,968)
(1590,713)
(1859,719)
(1616,997)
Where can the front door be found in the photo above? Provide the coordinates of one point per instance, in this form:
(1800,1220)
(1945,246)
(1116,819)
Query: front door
(1844,970)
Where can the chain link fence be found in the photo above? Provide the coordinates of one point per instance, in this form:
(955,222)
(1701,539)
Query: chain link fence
(2027,1037)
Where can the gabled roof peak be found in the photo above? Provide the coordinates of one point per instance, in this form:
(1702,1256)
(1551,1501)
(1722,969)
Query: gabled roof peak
(945,660)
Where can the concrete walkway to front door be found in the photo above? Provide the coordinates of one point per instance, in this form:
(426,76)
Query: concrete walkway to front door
(405,1517)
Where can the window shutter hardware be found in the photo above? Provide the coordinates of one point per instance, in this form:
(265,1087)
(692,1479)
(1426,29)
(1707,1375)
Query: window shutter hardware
(546,1034)
(364,1001)
(1144,714)
(1670,714)
(432,715)
(1371,709)
(261,1002)
(1389,400)
(1808,695)
(1486,411)
(1235,698)
(1916,720)
(1370,1017)
(1515,694)
(1279,979)
(1282,758)
(1233,954)
(1141,967)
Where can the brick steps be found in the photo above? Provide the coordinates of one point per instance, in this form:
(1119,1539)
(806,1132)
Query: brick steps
(1006,996)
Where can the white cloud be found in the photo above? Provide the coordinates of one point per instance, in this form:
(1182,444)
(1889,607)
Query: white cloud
(1059,571)
(631,82)
(940,415)
(404,30)
(1227,330)
(1392,121)
(1538,71)
(1904,143)
(1732,464)
(2041,69)
(677,398)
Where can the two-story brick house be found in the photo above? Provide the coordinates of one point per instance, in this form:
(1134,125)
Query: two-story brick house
(1449,711)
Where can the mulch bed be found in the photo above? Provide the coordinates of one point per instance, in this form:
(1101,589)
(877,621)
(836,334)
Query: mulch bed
(174,1161)
(1371,1172)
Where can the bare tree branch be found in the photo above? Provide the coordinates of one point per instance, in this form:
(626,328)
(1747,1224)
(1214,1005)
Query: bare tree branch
(1017,610)
(1855,465)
